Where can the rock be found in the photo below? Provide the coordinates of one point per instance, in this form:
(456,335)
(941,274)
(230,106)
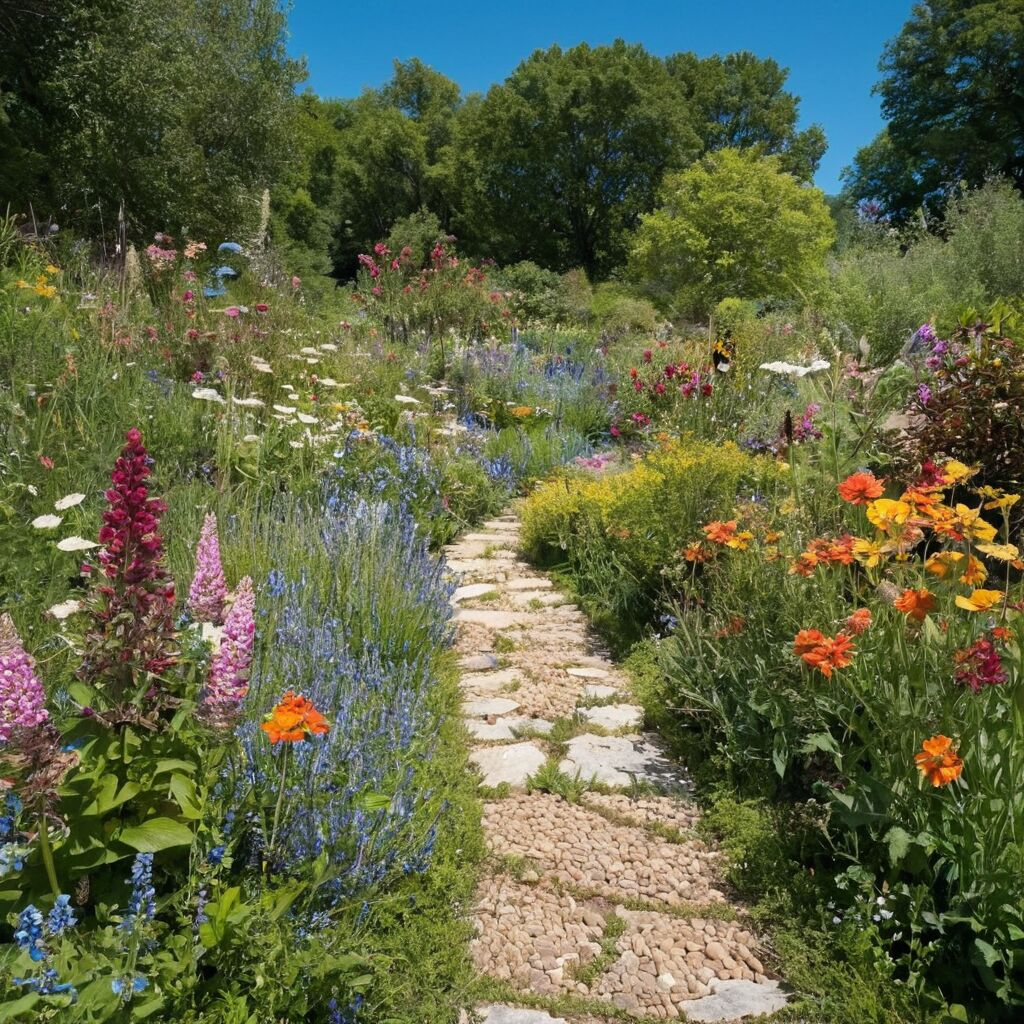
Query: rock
(478,663)
(516,1015)
(486,682)
(614,716)
(525,597)
(666,982)
(617,760)
(587,672)
(489,706)
(731,1000)
(493,618)
(599,691)
(528,583)
(500,730)
(513,764)
(472,590)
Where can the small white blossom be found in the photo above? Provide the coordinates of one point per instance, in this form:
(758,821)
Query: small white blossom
(47,522)
(76,544)
(69,501)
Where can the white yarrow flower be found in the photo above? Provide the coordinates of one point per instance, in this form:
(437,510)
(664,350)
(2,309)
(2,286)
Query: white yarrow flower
(64,609)
(407,400)
(792,370)
(69,501)
(76,544)
(208,395)
(47,522)
(287,410)
(249,403)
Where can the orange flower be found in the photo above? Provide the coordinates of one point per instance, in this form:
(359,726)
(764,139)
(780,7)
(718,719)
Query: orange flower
(975,572)
(293,719)
(942,562)
(938,761)
(824,653)
(696,552)
(859,621)
(860,488)
(915,604)
(980,600)
(719,532)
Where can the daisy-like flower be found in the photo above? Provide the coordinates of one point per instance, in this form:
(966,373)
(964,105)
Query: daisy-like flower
(942,562)
(47,522)
(980,600)
(68,501)
(1004,552)
(885,513)
(915,604)
(75,544)
(938,761)
(208,395)
(860,488)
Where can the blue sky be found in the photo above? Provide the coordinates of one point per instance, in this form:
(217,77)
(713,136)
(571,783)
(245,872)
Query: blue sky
(830,46)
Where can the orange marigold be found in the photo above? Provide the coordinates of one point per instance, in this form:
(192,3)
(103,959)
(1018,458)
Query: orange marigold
(938,761)
(827,653)
(915,604)
(860,488)
(293,719)
(859,621)
(806,640)
(719,532)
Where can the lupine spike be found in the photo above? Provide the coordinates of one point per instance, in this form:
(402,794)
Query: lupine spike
(22,699)
(208,591)
(229,670)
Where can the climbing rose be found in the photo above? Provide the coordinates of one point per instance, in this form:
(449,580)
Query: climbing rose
(208,590)
(229,670)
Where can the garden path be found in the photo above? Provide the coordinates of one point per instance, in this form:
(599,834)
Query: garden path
(606,904)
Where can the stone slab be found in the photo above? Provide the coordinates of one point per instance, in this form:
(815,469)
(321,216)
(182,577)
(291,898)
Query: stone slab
(587,672)
(617,760)
(516,1015)
(488,682)
(512,764)
(599,691)
(481,730)
(485,707)
(492,618)
(614,716)
(733,1000)
(524,597)
(472,590)
(478,663)
(528,583)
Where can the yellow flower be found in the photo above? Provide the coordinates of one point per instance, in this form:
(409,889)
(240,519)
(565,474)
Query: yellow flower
(47,291)
(1004,552)
(970,521)
(867,552)
(942,562)
(51,269)
(886,513)
(980,600)
(521,412)
(954,471)
(22,283)
(975,572)
(998,498)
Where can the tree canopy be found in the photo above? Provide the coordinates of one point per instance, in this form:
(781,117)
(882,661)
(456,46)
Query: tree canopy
(733,225)
(953,96)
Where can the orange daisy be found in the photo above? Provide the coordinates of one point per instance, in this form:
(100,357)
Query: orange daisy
(915,604)
(860,488)
(938,761)
(293,719)
(859,621)
(827,654)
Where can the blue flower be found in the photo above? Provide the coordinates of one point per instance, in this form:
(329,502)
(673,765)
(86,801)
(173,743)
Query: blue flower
(61,916)
(29,933)
(142,901)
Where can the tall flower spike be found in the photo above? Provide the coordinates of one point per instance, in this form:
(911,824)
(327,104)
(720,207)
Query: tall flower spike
(229,670)
(133,598)
(208,590)
(22,700)
(9,639)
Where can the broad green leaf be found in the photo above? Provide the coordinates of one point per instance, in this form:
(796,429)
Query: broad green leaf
(155,835)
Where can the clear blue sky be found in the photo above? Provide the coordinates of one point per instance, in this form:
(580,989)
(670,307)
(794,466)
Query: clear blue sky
(830,46)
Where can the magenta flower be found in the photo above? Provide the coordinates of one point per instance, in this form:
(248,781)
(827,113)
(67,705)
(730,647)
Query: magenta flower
(228,682)
(133,596)
(208,590)
(22,700)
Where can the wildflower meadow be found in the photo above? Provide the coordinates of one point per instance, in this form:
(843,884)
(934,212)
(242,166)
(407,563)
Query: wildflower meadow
(506,557)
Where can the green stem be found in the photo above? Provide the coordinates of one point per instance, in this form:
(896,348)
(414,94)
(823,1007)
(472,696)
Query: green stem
(47,852)
(280,796)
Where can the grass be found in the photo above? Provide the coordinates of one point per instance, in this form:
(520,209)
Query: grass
(503,644)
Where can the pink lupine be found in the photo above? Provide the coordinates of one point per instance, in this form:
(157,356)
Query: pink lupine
(208,590)
(22,700)
(228,682)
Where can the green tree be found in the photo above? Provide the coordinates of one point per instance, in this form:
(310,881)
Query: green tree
(178,109)
(953,96)
(558,163)
(739,101)
(734,224)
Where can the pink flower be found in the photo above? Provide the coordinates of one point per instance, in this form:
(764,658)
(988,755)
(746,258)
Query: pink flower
(232,311)
(296,282)
(648,355)
(261,307)
(228,682)
(22,700)
(208,590)
(197,377)
(188,296)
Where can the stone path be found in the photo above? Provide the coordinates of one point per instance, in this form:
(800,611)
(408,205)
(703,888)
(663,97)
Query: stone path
(599,895)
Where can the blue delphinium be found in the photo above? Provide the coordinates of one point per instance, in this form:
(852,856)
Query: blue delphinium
(142,901)
(31,934)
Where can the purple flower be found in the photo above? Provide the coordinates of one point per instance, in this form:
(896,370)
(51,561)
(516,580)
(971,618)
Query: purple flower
(925,333)
(229,670)
(22,700)
(208,590)
(924,394)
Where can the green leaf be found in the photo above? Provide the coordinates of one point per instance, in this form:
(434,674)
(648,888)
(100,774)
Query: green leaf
(988,954)
(374,801)
(899,842)
(155,835)
(184,792)
(780,753)
(821,741)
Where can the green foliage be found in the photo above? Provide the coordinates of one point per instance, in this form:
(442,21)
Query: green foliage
(557,163)
(179,110)
(732,225)
(951,110)
(619,312)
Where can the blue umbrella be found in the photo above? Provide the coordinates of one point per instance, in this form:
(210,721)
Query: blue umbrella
(225,272)
(229,247)
(214,293)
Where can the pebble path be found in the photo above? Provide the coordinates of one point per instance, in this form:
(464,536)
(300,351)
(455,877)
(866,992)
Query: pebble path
(609,899)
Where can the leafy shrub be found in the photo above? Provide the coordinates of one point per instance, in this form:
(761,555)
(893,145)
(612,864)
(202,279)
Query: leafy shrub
(537,294)
(620,313)
(617,532)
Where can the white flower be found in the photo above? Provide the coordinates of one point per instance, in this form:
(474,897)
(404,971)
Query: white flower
(47,522)
(33,490)
(328,382)
(407,400)
(328,347)
(75,544)
(251,439)
(69,501)
(286,409)
(64,609)
(312,361)
(296,444)
(309,351)
(791,369)
(251,403)
(306,418)
(208,395)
